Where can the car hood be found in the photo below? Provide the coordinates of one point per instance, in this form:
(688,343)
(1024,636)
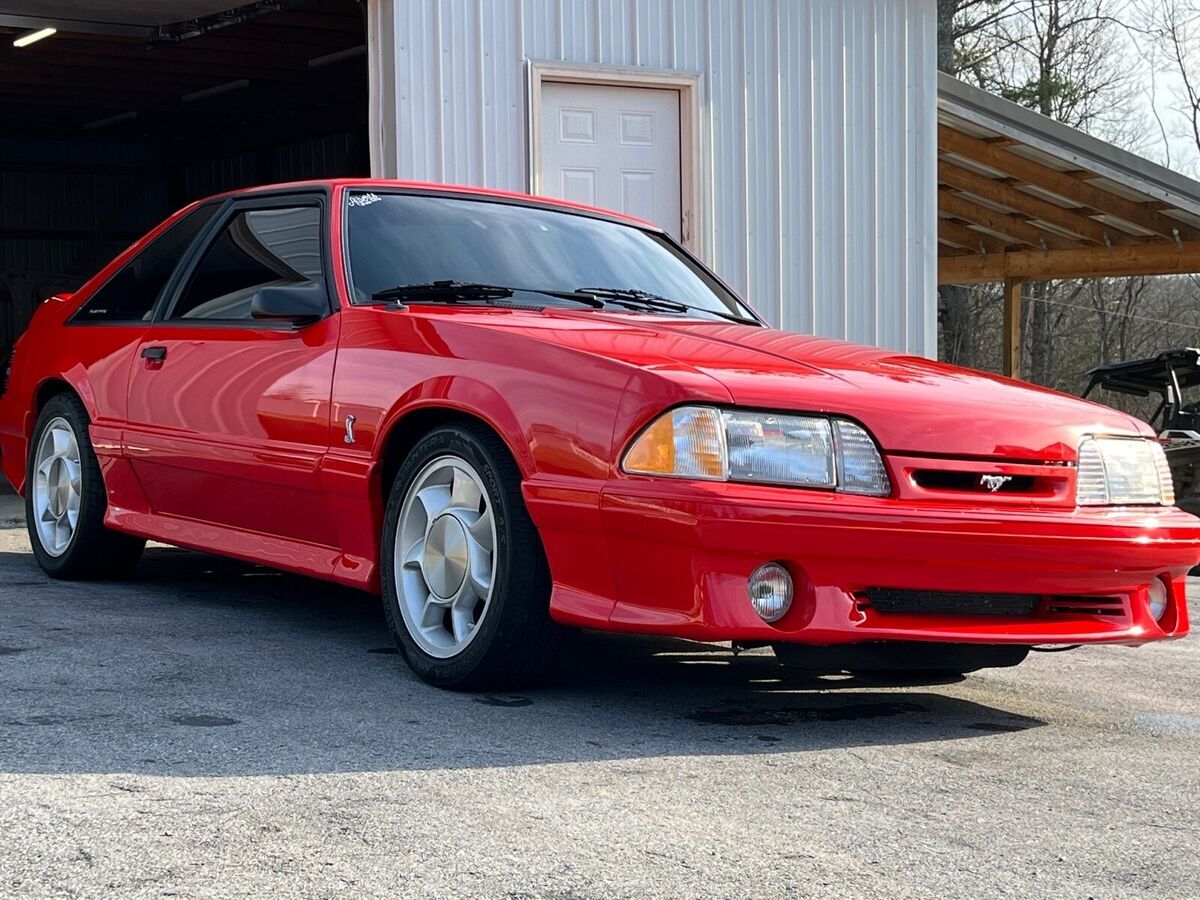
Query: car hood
(911,404)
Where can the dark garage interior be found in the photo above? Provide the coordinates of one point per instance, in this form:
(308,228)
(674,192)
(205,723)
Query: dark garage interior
(131,110)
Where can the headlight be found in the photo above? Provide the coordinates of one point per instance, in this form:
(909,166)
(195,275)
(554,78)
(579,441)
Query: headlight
(702,442)
(1123,472)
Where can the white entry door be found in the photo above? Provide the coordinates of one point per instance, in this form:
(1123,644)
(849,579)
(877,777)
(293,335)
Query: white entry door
(614,147)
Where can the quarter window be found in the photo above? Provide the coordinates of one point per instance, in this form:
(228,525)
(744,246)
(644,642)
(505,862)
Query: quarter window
(129,296)
(257,248)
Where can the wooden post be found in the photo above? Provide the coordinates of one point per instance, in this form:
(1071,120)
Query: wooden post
(1012,327)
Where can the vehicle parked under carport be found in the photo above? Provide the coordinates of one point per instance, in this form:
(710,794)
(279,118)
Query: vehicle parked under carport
(1173,378)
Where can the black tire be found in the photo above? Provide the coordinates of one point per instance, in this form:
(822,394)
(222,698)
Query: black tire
(94,551)
(517,642)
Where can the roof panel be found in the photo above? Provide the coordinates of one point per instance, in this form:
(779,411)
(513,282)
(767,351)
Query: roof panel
(967,163)
(1127,227)
(1096,210)
(975,112)
(1050,197)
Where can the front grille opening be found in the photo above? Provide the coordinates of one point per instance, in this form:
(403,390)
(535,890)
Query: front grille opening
(943,480)
(962,603)
(1086,606)
(951,603)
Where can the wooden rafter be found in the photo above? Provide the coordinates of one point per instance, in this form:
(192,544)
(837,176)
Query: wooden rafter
(1089,262)
(1019,229)
(962,236)
(1076,221)
(1071,186)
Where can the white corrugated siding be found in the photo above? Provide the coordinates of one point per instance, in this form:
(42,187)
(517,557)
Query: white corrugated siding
(819,141)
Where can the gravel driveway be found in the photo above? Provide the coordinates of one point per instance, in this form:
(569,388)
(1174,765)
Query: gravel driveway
(214,729)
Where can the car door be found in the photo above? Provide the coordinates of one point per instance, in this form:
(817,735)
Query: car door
(228,415)
(103,336)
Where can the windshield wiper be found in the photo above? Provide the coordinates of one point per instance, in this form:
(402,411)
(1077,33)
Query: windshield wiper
(472,292)
(443,292)
(641,298)
(636,299)
(477,293)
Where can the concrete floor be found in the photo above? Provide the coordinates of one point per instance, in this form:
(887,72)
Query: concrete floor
(217,730)
(12,507)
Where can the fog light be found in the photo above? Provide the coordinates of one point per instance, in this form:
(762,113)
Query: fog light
(1157,595)
(771,592)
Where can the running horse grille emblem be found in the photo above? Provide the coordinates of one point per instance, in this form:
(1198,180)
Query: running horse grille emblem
(994,482)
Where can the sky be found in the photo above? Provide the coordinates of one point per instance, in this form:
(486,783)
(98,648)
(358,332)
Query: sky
(1166,135)
(1159,94)
(1171,145)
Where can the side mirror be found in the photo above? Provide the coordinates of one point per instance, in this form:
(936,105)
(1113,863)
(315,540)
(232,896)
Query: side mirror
(300,304)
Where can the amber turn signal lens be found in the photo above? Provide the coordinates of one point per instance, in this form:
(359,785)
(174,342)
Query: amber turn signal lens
(688,442)
(654,451)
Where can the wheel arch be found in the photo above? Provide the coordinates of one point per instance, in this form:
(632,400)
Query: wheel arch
(411,422)
(74,381)
(48,389)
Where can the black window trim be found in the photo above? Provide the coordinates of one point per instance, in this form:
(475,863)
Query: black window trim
(528,203)
(76,318)
(233,205)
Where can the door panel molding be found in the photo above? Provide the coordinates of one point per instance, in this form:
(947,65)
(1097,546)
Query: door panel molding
(689,86)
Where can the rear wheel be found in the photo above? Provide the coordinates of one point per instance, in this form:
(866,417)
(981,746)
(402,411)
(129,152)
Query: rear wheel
(65,500)
(465,582)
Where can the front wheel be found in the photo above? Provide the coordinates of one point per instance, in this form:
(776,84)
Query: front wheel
(65,500)
(466,586)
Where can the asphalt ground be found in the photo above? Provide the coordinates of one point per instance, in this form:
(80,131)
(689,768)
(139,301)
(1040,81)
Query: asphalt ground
(212,729)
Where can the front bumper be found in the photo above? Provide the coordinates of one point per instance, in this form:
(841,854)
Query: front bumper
(679,555)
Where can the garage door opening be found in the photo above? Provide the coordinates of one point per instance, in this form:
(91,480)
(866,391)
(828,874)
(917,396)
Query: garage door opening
(131,110)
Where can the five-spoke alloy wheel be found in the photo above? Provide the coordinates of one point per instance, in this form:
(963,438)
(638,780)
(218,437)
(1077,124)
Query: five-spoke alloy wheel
(445,560)
(65,499)
(56,486)
(465,582)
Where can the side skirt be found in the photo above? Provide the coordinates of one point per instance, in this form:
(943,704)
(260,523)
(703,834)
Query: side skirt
(326,563)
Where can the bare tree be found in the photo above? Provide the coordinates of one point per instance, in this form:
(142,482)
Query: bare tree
(967,26)
(1065,59)
(1174,26)
(1115,302)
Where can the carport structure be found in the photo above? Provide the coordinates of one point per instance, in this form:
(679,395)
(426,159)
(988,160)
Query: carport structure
(1023,198)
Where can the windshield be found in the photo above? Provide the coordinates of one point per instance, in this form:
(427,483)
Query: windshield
(406,239)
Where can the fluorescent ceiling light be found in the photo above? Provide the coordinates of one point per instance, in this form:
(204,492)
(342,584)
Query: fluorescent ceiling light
(216,91)
(111,120)
(30,36)
(330,58)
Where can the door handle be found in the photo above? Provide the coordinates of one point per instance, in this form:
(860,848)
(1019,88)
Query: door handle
(154,354)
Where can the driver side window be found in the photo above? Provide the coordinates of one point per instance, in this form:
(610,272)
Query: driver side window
(257,248)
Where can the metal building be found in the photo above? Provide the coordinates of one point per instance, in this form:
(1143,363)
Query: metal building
(791,143)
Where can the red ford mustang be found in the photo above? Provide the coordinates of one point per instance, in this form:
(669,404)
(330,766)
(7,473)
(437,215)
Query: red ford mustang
(511,416)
